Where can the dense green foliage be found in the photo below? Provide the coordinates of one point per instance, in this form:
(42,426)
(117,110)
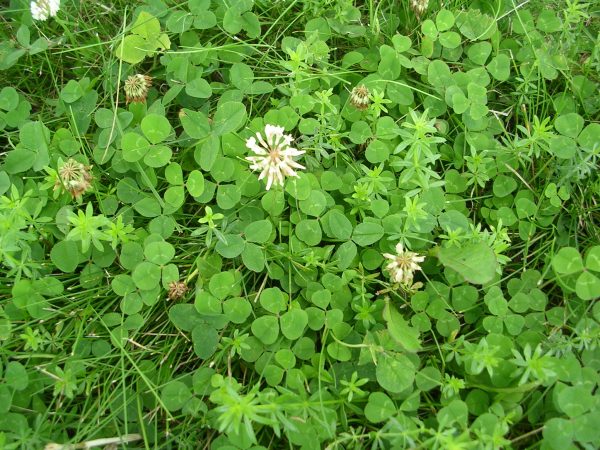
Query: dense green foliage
(152,288)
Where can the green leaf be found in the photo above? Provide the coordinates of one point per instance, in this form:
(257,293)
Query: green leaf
(474,25)
(558,433)
(273,300)
(345,254)
(367,233)
(146,276)
(19,160)
(195,123)
(339,225)
(309,232)
(592,260)
(259,231)
(589,137)
(132,303)
(315,204)
(400,330)
(65,256)
(234,246)
(266,328)
(195,183)
(145,39)
(439,74)
(174,395)
(159,253)
(377,151)
(185,317)
(444,20)
(9,98)
(429,29)
(237,309)
(504,185)
(228,196)
(253,257)
(394,373)
(563,147)
(156,128)
(241,76)
(132,49)
(569,124)
(389,64)
(479,52)
(221,284)
(548,22)
(16,376)
(449,39)
(174,174)
(379,408)
(567,261)
(148,207)
(205,340)
(198,88)
(273,202)
(587,286)
(499,67)
(206,304)
(476,263)
(293,323)
(360,132)
(230,116)
(321,298)
(575,400)
(71,92)
(134,147)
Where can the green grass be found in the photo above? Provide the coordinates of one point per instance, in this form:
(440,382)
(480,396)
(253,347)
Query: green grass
(483,164)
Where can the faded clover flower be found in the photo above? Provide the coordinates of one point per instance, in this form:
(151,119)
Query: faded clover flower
(419,6)
(136,88)
(75,177)
(273,155)
(42,9)
(359,97)
(403,265)
(177,289)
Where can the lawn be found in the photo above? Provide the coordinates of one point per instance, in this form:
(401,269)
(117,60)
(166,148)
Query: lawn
(301,224)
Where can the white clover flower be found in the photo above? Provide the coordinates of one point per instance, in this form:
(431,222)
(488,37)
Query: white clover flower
(403,265)
(274,156)
(42,9)
(419,6)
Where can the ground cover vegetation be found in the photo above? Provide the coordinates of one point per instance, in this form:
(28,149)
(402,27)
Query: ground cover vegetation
(341,224)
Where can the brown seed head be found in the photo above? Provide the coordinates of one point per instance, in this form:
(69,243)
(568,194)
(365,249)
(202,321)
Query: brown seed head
(177,289)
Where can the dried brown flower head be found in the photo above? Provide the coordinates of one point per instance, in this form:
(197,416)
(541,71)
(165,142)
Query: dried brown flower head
(419,6)
(74,177)
(360,97)
(136,88)
(177,289)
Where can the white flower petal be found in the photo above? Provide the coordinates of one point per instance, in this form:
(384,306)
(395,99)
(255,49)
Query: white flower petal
(273,155)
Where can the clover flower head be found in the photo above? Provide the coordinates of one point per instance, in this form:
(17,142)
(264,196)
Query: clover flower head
(403,265)
(42,9)
(177,289)
(419,6)
(136,88)
(273,155)
(359,97)
(74,177)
